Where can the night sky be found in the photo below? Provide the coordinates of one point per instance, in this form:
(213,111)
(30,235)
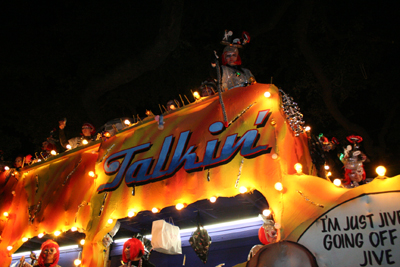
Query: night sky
(99,60)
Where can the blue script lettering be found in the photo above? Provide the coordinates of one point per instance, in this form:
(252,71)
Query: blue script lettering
(139,172)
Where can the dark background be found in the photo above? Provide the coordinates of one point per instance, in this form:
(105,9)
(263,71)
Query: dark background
(99,60)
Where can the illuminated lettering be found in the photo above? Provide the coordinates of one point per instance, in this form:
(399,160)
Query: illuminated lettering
(142,171)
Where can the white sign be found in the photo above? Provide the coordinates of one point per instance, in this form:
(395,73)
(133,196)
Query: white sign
(364,231)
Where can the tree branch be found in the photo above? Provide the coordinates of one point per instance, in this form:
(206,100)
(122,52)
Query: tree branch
(134,67)
(317,68)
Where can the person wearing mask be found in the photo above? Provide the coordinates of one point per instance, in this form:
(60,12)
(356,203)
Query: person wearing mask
(87,134)
(49,256)
(132,254)
(233,75)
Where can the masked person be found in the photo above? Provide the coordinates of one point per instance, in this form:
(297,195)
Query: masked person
(233,75)
(132,254)
(88,132)
(49,256)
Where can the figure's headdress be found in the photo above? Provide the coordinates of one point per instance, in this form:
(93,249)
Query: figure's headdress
(232,45)
(136,249)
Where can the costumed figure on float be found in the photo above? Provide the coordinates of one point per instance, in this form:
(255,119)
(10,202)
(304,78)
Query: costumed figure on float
(87,135)
(132,254)
(353,160)
(233,75)
(49,256)
(267,234)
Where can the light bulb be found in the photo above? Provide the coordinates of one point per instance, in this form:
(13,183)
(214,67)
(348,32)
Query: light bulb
(179,206)
(85,142)
(6,168)
(326,167)
(196,95)
(155,210)
(267,94)
(127,122)
(82,242)
(40,235)
(329,174)
(213,199)
(77,262)
(242,189)
(380,170)
(298,167)
(131,214)
(274,156)
(24,239)
(57,233)
(266,212)
(53,152)
(5,214)
(278,186)
(68,146)
(74,229)
(110,221)
(92,174)
(308,128)
(9,248)
(337,182)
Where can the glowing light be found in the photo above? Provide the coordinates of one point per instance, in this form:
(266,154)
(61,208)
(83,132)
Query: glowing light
(6,168)
(329,174)
(267,94)
(213,199)
(74,229)
(40,235)
(9,248)
(110,221)
(24,239)
(155,210)
(172,107)
(179,206)
(308,128)
(127,122)
(326,167)
(53,152)
(57,233)
(196,95)
(266,212)
(39,160)
(69,147)
(77,262)
(91,174)
(5,214)
(299,168)
(242,189)
(278,186)
(131,214)
(85,142)
(337,182)
(274,156)
(82,242)
(107,134)
(380,170)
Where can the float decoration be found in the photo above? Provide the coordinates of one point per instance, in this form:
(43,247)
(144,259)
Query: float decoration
(174,164)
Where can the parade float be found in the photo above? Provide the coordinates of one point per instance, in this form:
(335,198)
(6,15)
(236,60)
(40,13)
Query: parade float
(202,150)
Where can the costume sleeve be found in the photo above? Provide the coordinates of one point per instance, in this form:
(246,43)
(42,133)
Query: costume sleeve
(63,139)
(224,79)
(73,142)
